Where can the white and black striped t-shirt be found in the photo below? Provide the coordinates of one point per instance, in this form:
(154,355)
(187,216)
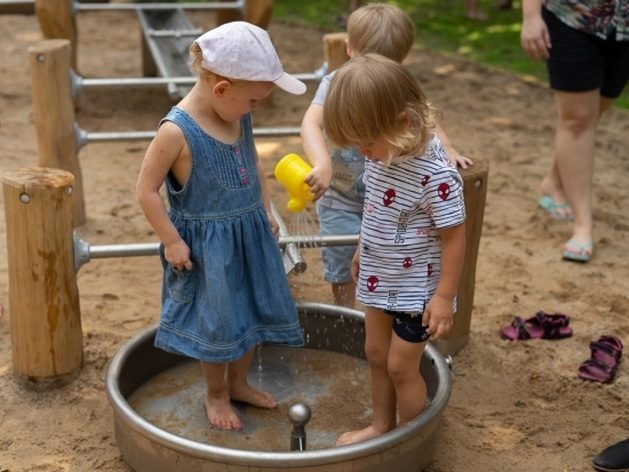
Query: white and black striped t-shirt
(406,204)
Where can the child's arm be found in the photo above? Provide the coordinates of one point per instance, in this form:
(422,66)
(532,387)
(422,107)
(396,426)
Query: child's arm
(162,155)
(314,143)
(264,195)
(438,313)
(456,158)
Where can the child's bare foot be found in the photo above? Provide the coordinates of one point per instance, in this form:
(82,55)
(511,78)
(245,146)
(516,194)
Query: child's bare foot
(247,394)
(352,437)
(220,413)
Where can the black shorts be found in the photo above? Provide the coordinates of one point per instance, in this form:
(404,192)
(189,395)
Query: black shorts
(580,62)
(408,327)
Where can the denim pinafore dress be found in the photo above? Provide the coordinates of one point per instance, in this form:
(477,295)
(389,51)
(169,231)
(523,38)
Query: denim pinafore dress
(236,295)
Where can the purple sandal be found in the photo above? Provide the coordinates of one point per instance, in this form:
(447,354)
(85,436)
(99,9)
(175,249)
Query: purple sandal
(555,325)
(604,358)
(542,325)
(596,371)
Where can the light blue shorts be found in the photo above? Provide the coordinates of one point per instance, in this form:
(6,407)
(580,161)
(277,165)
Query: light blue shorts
(337,260)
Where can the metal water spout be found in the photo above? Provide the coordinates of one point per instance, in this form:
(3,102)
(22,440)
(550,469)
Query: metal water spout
(299,415)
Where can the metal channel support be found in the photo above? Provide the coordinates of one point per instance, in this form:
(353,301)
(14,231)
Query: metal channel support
(169,53)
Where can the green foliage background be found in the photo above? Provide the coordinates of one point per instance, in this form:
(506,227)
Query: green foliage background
(441,26)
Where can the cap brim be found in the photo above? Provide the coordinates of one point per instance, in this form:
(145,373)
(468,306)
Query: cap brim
(290,84)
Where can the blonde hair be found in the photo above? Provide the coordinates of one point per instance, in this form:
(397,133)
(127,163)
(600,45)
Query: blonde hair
(372,97)
(382,29)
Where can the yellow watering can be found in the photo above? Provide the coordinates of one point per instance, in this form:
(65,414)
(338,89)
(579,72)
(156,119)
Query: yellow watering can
(291,170)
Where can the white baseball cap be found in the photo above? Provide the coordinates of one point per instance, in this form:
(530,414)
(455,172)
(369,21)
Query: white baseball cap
(240,50)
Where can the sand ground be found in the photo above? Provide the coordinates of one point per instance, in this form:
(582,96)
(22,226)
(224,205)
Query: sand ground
(514,406)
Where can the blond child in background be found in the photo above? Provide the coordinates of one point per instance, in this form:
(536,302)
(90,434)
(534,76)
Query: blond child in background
(224,289)
(336,178)
(410,254)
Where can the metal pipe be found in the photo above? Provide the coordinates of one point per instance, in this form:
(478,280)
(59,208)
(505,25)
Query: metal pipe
(291,257)
(85,252)
(80,6)
(173,33)
(84,137)
(79,82)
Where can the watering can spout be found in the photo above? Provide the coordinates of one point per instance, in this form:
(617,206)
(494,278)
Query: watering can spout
(291,171)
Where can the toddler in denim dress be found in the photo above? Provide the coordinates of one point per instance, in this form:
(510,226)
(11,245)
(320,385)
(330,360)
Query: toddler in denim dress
(224,290)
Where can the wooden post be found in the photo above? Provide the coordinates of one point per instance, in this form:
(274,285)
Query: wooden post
(43,296)
(475,192)
(56,21)
(53,112)
(258,12)
(335,50)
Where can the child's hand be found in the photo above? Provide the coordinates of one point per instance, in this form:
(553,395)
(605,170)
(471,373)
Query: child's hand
(319,180)
(178,255)
(437,317)
(459,160)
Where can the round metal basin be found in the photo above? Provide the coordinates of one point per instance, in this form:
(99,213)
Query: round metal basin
(148,448)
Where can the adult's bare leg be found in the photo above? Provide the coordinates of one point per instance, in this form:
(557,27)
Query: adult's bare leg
(577,117)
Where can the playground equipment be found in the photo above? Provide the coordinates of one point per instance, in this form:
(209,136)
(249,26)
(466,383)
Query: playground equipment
(40,236)
(57,17)
(290,171)
(54,88)
(334,330)
(36,306)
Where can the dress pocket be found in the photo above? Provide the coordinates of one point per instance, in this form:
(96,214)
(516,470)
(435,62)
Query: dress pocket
(180,284)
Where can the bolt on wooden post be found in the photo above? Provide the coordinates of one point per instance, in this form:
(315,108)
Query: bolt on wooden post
(46,335)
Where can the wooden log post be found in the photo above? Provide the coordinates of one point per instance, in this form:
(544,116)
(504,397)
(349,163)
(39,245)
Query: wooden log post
(53,112)
(258,12)
(56,21)
(46,334)
(475,193)
(335,50)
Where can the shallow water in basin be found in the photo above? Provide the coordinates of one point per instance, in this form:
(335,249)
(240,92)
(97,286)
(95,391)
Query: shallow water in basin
(335,386)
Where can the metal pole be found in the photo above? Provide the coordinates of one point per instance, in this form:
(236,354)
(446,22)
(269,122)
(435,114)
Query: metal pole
(84,137)
(79,82)
(291,257)
(85,252)
(80,6)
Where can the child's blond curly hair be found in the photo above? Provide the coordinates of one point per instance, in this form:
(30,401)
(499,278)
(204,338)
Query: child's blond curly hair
(373,97)
(381,28)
